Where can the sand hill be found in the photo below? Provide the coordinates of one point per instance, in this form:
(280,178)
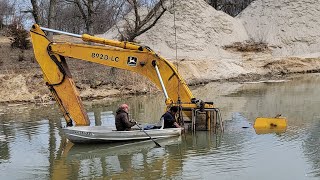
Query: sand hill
(201,32)
(290,27)
(287,26)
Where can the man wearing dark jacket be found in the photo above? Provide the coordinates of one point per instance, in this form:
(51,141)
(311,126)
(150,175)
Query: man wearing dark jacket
(170,118)
(122,119)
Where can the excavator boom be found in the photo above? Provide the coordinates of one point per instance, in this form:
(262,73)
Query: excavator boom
(122,55)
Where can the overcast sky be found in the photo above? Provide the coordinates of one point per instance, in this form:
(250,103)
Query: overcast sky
(23,5)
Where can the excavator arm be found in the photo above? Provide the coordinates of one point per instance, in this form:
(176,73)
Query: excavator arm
(122,55)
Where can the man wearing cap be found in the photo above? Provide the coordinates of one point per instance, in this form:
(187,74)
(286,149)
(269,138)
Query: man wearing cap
(122,119)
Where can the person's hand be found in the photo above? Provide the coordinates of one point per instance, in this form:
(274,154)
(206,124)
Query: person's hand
(176,125)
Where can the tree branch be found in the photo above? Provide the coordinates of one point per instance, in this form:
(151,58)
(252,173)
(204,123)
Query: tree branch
(136,13)
(151,25)
(153,13)
(77,2)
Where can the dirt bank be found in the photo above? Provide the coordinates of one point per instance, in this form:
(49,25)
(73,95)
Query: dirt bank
(21,78)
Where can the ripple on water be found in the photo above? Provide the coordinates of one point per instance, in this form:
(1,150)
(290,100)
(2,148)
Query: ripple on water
(313,173)
(3,138)
(239,150)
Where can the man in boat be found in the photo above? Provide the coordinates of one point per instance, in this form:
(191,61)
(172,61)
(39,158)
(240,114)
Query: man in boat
(122,119)
(170,118)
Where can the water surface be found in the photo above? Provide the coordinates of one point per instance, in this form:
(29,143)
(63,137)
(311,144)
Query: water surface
(32,145)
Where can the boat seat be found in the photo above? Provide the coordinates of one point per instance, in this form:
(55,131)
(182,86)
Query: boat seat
(158,125)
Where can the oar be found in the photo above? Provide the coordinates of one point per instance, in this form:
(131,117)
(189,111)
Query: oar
(157,144)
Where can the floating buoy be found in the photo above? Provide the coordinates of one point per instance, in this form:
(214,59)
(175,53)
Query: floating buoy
(261,122)
(263,125)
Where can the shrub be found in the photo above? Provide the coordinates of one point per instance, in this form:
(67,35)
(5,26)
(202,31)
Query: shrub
(18,36)
(248,46)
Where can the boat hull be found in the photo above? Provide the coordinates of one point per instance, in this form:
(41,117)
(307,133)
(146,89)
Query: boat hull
(101,134)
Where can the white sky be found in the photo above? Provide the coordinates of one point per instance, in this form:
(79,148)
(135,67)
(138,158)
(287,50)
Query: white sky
(22,5)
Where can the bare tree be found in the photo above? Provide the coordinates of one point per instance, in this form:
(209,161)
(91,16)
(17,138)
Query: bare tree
(88,17)
(87,9)
(92,16)
(44,15)
(35,11)
(51,17)
(69,18)
(140,23)
(106,15)
(6,12)
(40,11)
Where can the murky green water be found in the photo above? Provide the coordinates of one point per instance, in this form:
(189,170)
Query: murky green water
(33,146)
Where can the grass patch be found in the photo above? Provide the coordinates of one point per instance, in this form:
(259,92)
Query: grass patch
(248,46)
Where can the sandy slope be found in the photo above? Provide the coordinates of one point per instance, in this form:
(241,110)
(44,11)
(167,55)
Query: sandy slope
(290,27)
(201,32)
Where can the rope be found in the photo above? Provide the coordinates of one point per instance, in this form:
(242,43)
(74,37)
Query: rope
(175,41)
(180,118)
(175,32)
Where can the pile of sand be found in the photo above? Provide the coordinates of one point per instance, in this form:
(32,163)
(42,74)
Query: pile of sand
(290,27)
(14,88)
(201,32)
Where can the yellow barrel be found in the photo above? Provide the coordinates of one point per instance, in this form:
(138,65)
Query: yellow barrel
(261,122)
(270,125)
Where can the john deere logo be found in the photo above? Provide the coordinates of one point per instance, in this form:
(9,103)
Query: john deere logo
(132,61)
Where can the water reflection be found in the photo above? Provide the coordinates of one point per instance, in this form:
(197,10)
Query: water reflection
(312,149)
(122,160)
(138,159)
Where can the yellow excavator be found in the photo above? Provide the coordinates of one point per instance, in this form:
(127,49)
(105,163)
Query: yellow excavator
(123,55)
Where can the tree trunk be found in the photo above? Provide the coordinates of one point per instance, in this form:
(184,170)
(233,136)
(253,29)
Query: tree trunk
(140,26)
(90,18)
(35,11)
(51,17)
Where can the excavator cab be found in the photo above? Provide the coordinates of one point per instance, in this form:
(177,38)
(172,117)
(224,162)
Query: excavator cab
(198,114)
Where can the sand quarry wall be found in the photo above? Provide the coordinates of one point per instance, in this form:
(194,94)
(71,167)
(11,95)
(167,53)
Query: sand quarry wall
(289,27)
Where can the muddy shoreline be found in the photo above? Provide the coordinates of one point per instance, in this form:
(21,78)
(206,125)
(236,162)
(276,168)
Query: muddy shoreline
(96,93)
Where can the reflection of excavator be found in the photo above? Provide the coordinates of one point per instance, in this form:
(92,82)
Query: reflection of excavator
(122,55)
